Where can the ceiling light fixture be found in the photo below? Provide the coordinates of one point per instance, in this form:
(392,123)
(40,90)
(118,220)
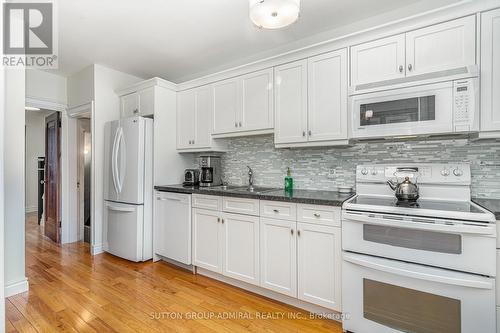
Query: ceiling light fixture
(31,108)
(274,14)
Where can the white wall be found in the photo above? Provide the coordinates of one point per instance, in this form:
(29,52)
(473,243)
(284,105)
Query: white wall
(15,278)
(45,86)
(2,128)
(106,108)
(81,87)
(35,147)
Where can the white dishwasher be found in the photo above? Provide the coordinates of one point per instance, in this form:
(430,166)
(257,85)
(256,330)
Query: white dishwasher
(172,226)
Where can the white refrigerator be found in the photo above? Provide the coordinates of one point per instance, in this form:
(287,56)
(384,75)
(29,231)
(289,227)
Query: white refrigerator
(128,188)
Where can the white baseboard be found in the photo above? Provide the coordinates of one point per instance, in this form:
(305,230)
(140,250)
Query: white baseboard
(15,288)
(312,308)
(31,209)
(96,249)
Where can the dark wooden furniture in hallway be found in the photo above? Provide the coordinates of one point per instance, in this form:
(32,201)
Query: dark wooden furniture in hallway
(52,177)
(72,291)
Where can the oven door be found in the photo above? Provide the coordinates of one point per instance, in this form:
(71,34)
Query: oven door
(383,295)
(430,241)
(417,110)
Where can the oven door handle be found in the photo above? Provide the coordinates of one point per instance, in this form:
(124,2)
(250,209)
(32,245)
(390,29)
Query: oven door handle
(447,228)
(407,270)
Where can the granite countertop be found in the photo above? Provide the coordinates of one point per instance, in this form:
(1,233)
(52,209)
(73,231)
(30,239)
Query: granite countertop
(329,198)
(493,205)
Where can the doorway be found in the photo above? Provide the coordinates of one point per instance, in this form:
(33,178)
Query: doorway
(84,178)
(38,193)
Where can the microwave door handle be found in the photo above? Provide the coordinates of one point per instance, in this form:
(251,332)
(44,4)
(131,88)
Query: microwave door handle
(462,229)
(407,271)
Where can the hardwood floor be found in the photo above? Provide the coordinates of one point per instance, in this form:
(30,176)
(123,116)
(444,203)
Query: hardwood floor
(70,291)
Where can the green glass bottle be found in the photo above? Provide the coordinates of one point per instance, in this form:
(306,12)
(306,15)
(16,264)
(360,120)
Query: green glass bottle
(288,181)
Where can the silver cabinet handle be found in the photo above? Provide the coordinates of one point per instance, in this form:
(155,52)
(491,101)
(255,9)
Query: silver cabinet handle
(222,221)
(310,132)
(240,124)
(410,67)
(291,231)
(298,232)
(276,210)
(401,68)
(304,133)
(193,142)
(236,124)
(317,215)
(136,111)
(218,219)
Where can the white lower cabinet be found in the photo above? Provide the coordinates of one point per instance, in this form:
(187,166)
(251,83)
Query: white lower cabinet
(278,256)
(207,240)
(319,262)
(241,247)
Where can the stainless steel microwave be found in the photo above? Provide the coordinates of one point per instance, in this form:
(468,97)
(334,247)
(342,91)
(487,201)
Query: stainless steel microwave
(428,109)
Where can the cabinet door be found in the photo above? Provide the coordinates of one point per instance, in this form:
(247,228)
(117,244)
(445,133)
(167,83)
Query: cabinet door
(379,60)
(203,117)
(129,105)
(207,240)
(327,95)
(147,101)
(441,47)
(319,264)
(186,106)
(490,71)
(257,101)
(172,226)
(241,247)
(226,106)
(290,102)
(278,258)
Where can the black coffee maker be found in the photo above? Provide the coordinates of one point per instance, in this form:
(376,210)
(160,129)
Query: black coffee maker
(210,171)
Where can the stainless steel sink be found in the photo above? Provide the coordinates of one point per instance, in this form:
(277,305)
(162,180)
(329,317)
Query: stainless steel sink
(255,189)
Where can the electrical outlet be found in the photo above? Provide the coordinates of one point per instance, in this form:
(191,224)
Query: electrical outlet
(332,173)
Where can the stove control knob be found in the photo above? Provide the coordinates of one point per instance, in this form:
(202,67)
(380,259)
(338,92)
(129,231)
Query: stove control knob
(445,172)
(364,172)
(458,172)
(374,172)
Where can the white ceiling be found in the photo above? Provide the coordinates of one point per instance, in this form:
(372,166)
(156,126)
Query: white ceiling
(184,39)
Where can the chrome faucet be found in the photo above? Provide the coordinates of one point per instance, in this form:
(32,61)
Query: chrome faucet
(250,179)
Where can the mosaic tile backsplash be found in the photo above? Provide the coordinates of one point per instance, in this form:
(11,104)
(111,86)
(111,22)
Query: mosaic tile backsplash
(326,168)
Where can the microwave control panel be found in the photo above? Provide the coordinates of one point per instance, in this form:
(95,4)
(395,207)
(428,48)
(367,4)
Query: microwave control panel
(464,105)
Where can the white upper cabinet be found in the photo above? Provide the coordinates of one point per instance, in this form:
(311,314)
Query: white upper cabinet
(327,96)
(379,60)
(441,47)
(194,118)
(290,102)
(490,72)
(435,48)
(311,101)
(257,101)
(140,103)
(243,104)
(226,106)
(186,105)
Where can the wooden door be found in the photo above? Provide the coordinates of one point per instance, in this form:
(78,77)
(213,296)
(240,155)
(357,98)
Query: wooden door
(441,47)
(257,101)
(290,86)
(278,258)
(328,96)
(226,106)
(319,265)
(241,247)
(379,60)
(52,177)
(490,70)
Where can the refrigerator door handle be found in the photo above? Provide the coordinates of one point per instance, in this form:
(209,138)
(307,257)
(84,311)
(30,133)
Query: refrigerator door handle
(113,161)
(119,209)
(121,167)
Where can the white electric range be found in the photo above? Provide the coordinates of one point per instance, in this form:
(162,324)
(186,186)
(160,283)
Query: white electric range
(426,266)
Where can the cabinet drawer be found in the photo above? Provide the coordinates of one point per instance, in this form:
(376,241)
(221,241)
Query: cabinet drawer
(240,206)
(203,201)
(278,210)
(326,215)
